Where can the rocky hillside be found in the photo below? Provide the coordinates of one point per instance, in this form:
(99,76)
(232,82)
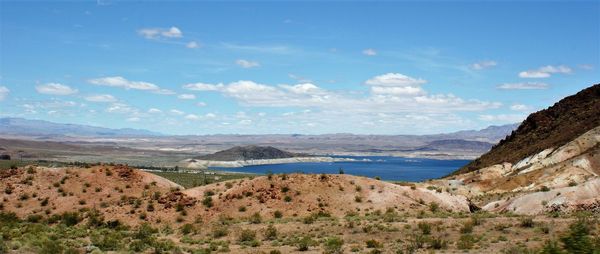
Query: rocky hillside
(552,127)
(242,153)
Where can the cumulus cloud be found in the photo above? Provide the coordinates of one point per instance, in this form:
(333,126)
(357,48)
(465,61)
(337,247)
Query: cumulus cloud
(390,92)
(523,86)
(201,104)
(154,111)
(176,112)
(55,89)
(192,45)
(3,92)
(503,118)
(101,98)
(186,96)
(520,107)
(369,52)
(545,71)
(121,82)
(203,87)
(246,63)
(192,117)
(157,33)
(483,65)
(395,79)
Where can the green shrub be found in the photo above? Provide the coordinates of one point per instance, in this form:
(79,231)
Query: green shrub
(70,218)
(208,202)
(247,236)
(219,231)
(424,227)
(304,243)
(106,240)
(255,218)
(578,238)
(187,229)
(271,233)
(287,199)
(373,244)
(466,242)
(527,222)
(277,214)
(333,245)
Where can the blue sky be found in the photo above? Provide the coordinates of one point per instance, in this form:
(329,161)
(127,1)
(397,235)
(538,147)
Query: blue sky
(300,67)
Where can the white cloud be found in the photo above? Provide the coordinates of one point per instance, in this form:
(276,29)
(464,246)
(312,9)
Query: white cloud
(390,92)
(407,90)
(246,63)
(157,33)
(201,104)
(210,115)
(3,92)
(187,96)
(118,81)
(305,88)
(123,83)
(395,79)
(55,89)
(545,71)
(192,45)
(369,52)
(101,98)
(245,122)
(503,118)
(176,112)
(520,107)
(121,108)
(523,86)
(483,65)
(154,111)
(203,87)
(192,117)
(586,66)
(133,119)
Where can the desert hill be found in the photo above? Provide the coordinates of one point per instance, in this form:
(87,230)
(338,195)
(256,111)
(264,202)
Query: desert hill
(552,127)
(125,194)
(251,152)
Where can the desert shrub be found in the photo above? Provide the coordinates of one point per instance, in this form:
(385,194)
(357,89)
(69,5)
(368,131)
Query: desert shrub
(34,218)
(255,218)
(544,189)
(333,245)
(424,227)
(70,218)
(285,189)
(578,238)
(277,214)
(467,228)
(551,247)
(220,231)
(287,199)
(373,244)
(242,209)
(466,242)
(248,237)
(49,246)
(187,228)
(44,202)
(358,199)
(106,239)
(209,193)
(208,202)
(434,207)
(438,243)
(358,188)
(527,222)
(274,252)
(304,243)
(270,233)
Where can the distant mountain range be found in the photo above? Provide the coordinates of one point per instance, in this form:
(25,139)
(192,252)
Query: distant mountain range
(26,127)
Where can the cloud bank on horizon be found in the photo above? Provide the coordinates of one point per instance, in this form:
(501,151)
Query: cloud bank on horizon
(180,68)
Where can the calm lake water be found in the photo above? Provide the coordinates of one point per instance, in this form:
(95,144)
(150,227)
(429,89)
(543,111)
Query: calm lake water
(388,168)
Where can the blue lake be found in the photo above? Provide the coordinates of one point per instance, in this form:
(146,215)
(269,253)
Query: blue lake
(388,168)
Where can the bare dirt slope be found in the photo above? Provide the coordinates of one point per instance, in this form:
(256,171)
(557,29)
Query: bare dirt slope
(129,194)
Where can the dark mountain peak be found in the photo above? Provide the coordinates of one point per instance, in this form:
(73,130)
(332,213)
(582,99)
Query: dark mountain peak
(552,127)
(250,152)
